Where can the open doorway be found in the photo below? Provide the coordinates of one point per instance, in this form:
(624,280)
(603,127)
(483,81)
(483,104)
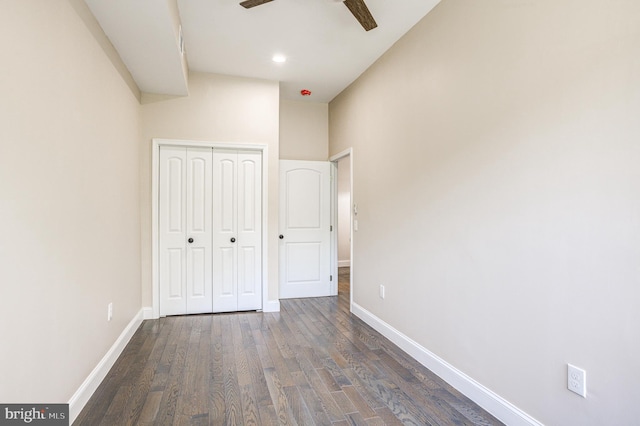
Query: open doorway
(344,226)
(343,211)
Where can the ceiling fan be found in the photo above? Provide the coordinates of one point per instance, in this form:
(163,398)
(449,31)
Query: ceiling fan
(357,7)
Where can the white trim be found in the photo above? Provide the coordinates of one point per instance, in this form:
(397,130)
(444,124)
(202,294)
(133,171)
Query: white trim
(155,226)
(341,154)
(499,407)
(333,250)
(344,263)
(91,383)
(266,303)
(147,313)
(210,144)
(156,143)
(271,306)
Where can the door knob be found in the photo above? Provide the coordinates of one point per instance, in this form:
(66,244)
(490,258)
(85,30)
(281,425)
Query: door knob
(233,240)
(281,237)
(190,240)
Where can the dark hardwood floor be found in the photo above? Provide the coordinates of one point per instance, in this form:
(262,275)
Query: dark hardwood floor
(312,363)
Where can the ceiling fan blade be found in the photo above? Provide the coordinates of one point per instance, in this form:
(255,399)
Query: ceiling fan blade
(362,14)
(247,4)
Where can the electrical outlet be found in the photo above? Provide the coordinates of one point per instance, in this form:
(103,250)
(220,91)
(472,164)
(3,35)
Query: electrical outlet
(577,380)
(381,291)
(109,311)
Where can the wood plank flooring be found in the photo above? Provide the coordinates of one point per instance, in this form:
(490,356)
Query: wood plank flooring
(313,363)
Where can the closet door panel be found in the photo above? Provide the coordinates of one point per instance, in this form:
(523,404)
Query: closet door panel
(185,230)
(172,232)
(249,230)
(199,230)
(225,247)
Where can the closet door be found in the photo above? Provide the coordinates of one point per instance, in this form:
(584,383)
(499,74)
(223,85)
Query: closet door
(185,230)
(237,230)
(249,230)
(199,230)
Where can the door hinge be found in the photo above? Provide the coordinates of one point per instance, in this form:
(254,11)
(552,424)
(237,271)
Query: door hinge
(330,228)
(330,277)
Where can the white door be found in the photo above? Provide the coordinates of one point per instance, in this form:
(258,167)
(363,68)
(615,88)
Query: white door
(305,203)
(237,224)
(185,230)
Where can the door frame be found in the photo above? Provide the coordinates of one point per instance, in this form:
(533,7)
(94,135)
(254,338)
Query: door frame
(155,187)
(334,221)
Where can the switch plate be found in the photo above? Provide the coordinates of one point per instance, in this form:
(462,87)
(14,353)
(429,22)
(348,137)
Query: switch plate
(577,380)
(109,311)
(381,291)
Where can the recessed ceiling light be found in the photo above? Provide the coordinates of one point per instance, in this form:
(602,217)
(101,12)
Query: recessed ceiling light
(279,58)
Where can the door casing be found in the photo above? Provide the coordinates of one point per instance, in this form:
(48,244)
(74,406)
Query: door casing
(334,220)
(155,169)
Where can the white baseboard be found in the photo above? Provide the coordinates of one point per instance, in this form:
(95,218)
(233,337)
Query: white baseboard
(91,383)
(343,263)
(271,306)
(147,313)
(502,409)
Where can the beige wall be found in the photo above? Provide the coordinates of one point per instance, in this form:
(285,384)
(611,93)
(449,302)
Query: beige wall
(218,109)
(304,131)
(497,175)
(69,210)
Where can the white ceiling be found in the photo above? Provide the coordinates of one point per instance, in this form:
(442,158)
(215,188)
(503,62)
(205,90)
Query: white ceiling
(325,46)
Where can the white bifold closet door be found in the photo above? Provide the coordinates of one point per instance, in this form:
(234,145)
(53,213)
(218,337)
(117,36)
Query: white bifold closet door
(185,230)
(237,230)
(210,219)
